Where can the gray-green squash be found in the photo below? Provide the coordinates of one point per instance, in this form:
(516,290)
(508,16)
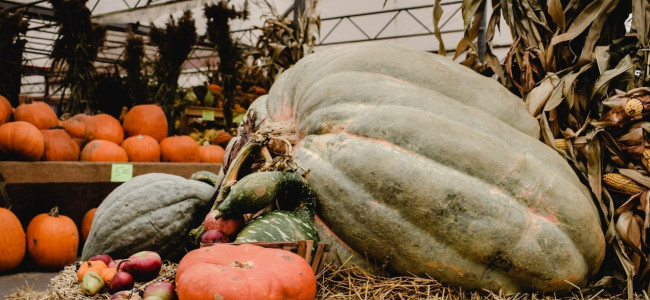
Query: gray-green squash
(434,170)
(153,212)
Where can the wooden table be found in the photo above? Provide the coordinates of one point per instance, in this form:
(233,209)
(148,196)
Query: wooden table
(36,187)
(198,111)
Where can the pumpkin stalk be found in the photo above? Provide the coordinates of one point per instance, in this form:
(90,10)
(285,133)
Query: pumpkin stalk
(54,212)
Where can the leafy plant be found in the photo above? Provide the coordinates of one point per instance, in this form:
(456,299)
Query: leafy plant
(75,50)
(218,30)
(136,80)
(577,66)
(12,26)
(174,43)
(283,42)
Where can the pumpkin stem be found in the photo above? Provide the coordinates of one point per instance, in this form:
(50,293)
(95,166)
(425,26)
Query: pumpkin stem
(54,212)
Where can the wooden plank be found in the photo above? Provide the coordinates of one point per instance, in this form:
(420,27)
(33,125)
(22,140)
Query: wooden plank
(16,172)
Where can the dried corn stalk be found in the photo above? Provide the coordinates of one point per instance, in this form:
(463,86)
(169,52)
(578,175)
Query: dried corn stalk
(585,77)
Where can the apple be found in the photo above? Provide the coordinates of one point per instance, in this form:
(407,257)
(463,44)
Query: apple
(107,259)
(162,289)
(125,295)
(121,280)
(230,226)
(214,236)
(114,263)
(154,297)
(91,283)
(143,266)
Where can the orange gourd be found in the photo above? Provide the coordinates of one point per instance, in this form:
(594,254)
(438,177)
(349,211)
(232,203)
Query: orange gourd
(39,113)
(59,146)
(103,150)
(179,148)
(214,88)
(245,271)
(96,266)
(20,140)
(52,240)
(104,127)
(108,274)
(5,110)
(146,119)
(87,221)
(142,148)
(12,240)
(211,153)
(222,139)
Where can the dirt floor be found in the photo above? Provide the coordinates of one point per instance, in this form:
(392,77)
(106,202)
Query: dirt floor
(24,276)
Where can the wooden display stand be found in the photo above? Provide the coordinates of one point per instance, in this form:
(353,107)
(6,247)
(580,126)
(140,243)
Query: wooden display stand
(201,111)
(75,187)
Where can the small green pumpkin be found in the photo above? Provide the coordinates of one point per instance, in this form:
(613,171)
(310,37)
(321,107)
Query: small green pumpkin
(153,212)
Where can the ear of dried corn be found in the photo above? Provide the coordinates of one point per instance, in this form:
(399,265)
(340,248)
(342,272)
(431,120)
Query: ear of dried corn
(622,184)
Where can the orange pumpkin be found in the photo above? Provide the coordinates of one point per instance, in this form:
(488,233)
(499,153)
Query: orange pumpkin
(214,88)
(96,266)
(222,139)
(52,240)
(59,146)
(21,140)
(87,221)
(179,148)
(76,125)
(38,113)
(211,153)
(5,110)
(225,271)
(12,240)
(103,150)
(104,127)
(142,148)
(146,119)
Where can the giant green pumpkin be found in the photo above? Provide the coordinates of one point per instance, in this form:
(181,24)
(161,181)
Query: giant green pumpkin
(431,169)
(152,212)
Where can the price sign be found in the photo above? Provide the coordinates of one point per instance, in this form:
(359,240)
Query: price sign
(208,115)
(121,172)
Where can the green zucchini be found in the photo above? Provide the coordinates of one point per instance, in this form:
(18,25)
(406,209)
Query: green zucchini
(260,190)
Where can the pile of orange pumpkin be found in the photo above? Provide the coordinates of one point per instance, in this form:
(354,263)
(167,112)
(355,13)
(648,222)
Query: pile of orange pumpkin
(32,132)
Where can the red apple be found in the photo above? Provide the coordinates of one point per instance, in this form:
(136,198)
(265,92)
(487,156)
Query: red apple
(144,265)
(163,289)
(114,263)
(125,295)
(107,259)
(214,236)
(121,280)
(229,226)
